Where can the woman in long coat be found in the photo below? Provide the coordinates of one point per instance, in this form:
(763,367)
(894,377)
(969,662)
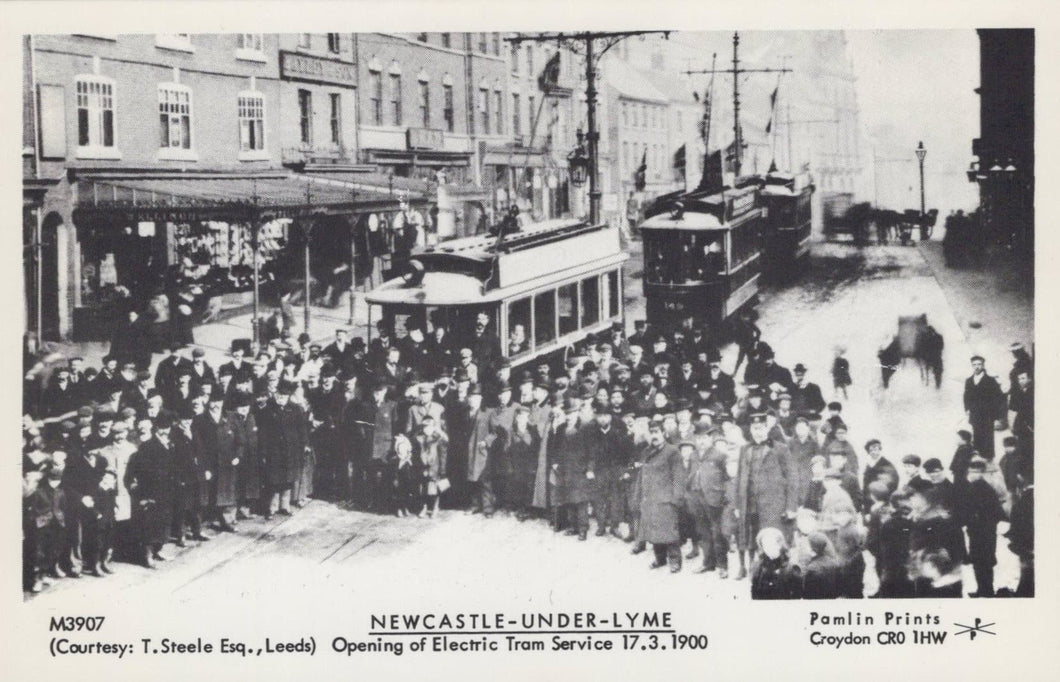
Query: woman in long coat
(662,485)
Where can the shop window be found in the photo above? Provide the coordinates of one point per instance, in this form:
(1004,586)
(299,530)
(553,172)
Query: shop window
(614,303)
(174,113)
(590,301)
(95,114)
(544,318)
(567,304)
(251,121)
(518,327)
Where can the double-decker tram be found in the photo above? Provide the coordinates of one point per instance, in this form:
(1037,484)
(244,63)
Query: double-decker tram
(545,287)
(701,256)
(786,234)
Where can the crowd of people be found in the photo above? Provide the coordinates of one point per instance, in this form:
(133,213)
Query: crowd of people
(643,437)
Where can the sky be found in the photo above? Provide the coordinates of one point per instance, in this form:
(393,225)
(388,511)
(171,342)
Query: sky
(919,85)
(912,85)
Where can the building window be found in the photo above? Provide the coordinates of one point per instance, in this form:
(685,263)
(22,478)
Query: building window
(496,44)
(174,41)
(484,110)
(336,118)
(395,99)
(483,43)
(305,40)
(334,43)
(447,111)
(95,112)
(447,40)
(530,113)
(625,114)
(517,123)
(251,122)
(627,163)
(422,37)
(375,88)
(251,41)
(174,114)
(425,103)
(530,61)
(305,116)
(515,59)
(498,111)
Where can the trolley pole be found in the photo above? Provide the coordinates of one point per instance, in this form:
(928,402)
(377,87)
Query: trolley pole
(590,103)
(587,41)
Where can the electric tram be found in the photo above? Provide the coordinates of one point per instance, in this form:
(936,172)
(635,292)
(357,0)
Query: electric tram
(702,255)
(545,287)
(787,225)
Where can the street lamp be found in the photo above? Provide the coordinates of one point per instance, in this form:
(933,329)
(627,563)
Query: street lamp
(578,162)
(920,154)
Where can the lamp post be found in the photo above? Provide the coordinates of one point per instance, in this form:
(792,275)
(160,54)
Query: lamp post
(920,154)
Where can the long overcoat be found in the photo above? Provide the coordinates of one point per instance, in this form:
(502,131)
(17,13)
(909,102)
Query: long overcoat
(246,448)
(481,438)
(147,477)
(217,440)
(662,483)
(284,435)
(765,484)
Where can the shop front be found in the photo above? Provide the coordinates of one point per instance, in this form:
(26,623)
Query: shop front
(187,248)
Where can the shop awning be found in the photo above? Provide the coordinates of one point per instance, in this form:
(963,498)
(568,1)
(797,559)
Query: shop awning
(182,197)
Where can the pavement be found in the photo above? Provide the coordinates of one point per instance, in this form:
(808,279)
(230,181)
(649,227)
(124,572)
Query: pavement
(848,297)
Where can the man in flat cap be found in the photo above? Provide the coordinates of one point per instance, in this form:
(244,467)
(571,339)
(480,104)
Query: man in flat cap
(980,512)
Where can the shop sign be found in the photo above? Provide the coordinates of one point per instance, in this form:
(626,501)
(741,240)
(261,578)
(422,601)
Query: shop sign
(294,66)
(425,138)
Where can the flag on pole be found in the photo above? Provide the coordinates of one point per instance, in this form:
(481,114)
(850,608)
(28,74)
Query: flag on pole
(772,108)
(549,77)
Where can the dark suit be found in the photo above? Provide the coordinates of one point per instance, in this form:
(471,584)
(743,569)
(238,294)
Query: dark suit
(217,441)
(81,478)
(984,403)
(248,483)
(147,476)
(706,497)
(662,493)
(188,483)
(765,487)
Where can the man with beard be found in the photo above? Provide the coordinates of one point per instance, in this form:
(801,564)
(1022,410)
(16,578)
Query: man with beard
(485,346)
(169,368)
(147,478)
(201,373)
(806,397)
(1021,402)
(340,352)
(217,440)
(983,404)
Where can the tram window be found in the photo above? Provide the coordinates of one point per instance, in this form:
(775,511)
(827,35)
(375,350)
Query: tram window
(590,301)
(518,324)
(613,306)
(544,317)
(568,308)
(714,257)
(401,323)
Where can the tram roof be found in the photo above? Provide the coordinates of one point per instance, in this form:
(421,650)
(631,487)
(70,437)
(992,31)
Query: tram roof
(688,221)
(785,184)
(700,210)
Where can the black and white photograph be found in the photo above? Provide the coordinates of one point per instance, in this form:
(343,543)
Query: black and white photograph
(668,317)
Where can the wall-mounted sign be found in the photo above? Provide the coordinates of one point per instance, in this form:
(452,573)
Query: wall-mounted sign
(294,66)
(425,138)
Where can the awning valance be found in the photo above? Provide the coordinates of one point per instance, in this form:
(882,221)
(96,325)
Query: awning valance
(233,198)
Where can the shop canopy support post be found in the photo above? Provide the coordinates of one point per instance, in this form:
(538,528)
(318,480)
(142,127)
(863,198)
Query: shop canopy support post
(255,228)
(353,272)
(307,230)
